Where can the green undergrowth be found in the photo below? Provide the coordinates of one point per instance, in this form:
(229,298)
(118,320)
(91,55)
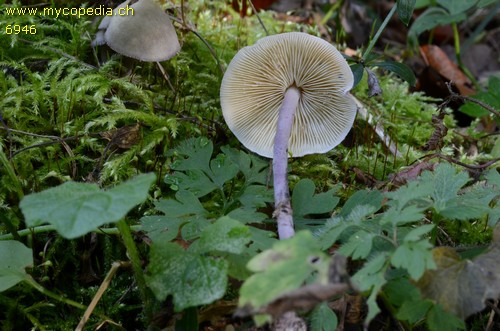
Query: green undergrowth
(104,159)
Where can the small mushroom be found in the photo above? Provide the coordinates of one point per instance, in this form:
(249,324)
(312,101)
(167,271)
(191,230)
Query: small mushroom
(288,92)
(146,34)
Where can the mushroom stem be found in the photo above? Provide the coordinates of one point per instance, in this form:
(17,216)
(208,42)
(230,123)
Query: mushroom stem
(282,206)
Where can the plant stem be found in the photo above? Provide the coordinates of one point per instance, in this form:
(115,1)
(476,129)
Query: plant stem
(49,228)
(282,207)
(51,294)
(133,254)
(456,37)
(379,32)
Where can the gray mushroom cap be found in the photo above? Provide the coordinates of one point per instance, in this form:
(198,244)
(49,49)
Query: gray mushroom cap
(147,35)
(257,78)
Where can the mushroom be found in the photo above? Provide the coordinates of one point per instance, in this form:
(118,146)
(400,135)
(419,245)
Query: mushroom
(288,92)
(146,34)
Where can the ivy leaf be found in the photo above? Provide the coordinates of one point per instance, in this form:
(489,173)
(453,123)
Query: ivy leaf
(405,10)
(247,215)
(75,209)
(15,258)
(281,269)
(161,227)
(190,278)
(224,235)
(185,205)
(261,240)
(305,202)
(400,69)
(415,257)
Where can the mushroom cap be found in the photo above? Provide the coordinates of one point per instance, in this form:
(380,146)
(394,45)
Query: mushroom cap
(257,78)
(147,35)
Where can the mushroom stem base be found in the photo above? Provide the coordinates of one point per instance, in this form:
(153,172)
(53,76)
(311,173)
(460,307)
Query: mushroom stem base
(282,207)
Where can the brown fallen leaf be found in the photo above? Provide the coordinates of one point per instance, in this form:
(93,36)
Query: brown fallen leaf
(437,59)
(462,286)
(124,137)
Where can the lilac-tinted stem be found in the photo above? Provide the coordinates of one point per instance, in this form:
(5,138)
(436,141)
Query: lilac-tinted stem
(282,207)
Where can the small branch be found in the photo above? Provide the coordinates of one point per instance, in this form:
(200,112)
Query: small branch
(464,98)
(258,17)
(104,285)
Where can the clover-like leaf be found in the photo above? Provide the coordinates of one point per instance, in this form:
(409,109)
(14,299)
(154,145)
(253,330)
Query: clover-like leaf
(75,209)
(15,258)
(190,278)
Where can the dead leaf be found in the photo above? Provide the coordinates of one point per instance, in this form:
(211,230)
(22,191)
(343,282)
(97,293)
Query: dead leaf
(437,59)
(462,286)
(124,137)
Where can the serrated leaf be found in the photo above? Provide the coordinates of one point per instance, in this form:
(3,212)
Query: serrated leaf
(400,69)
(415,257)
(358,246)
(15,258)
(414,311)
(323,318)
(399,217)
(417,192)
(405,10)
(418,232)
(261,240)
(194,181)
(224,235)
(400,290)
(439,319)
(222,170)
(191,279)
(75,209)
(281,269)
(256,196)
(185,205)
(362,197)
(305,202)
(247,215)
(254,168)
(161,227)
(194,153)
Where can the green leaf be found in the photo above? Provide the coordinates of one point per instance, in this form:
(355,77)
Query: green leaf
(323,318)
(281,269)
(484,3)
(490,97)
(191,279)
(415,257)
(400,290)
(161,227)
(359,245)
(414,311)
(75,209)
(256,196)
(357,71)
(362,197)
(457,6)
(186,206)
(224,235)
(194,154)
(261,240)
(254,168)
(418,232)
(15,258)
(405,10)
(400,69)
(398,217)
(305,202)
(439,319)
(247,215)
(222,170)
(431,18)
(194,181)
